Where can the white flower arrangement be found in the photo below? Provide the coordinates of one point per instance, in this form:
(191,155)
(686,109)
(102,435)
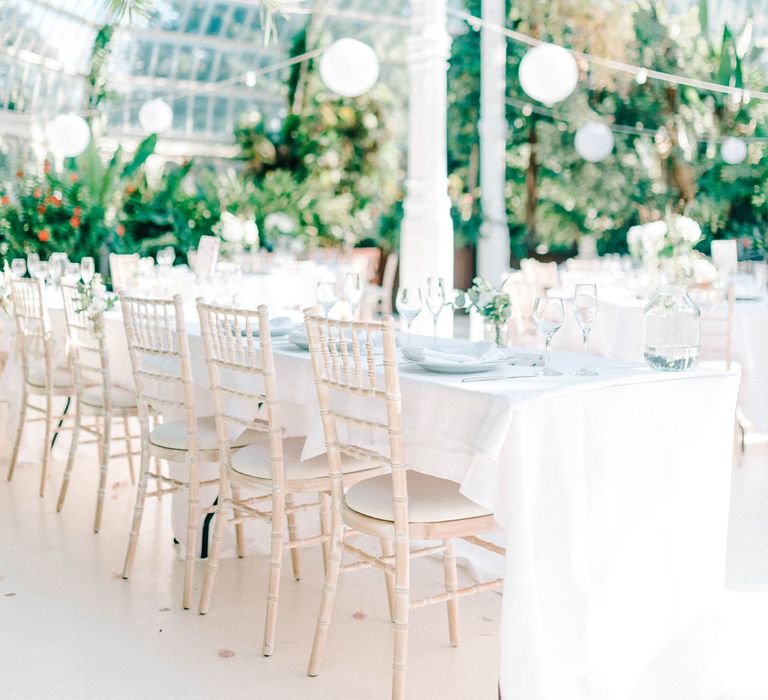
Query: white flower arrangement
(236,229)
(94,299)
(663,239)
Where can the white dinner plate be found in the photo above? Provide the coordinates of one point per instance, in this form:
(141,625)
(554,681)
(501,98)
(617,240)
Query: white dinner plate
(447,367)
(299,339)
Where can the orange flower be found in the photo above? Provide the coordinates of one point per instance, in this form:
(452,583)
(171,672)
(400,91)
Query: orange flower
(44,235)
(77,211)
(41,209)
(73,177)
(47,167)
(120,230)
(19,173)
(5,201)
(36,194)
(74,222)
(130,189)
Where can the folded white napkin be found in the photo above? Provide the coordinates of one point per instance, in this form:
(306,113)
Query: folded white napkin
(455,351)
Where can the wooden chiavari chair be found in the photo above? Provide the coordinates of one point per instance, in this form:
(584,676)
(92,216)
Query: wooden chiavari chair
(241,368)
(41,376)
(97,397)
(162,372)
(398,506)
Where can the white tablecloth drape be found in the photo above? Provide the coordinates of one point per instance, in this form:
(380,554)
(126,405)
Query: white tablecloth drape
(618,334)
(613,492)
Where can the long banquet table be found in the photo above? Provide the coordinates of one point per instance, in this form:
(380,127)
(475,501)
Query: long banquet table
(612,491)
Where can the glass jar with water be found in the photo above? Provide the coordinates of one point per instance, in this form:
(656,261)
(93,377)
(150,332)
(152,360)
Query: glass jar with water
(672,330)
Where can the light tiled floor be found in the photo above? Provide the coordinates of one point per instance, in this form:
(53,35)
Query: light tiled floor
(70,627)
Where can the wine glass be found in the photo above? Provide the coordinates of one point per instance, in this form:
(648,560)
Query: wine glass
(548,315)
(585,310)
(41,270)
(325,295)
(56,265)
(353,291)
(408,305)
(435,300)
(33,260)
(18,267)
(87,269)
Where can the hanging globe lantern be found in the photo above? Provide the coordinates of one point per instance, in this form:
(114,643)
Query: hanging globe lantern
(349,67)
(548,73)
(68,134)
(733,150)
(593,141)
(156,116)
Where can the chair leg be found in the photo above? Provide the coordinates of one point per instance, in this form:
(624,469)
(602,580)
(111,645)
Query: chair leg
(329,593)
(451,584)
(129,449)
(279,501)
(19,433)
(46,441)
(402,611)
(291,518)
(215,551)
(60,422)
(239,532)
(388,549)
(191,544)
(138,510)
(325,525)
(70,459)
(105,438)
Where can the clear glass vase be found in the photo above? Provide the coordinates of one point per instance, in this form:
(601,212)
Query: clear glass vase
(672,330)
(496,332)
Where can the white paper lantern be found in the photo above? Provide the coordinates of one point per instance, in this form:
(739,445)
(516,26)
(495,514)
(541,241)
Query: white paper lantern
(548,73)
(594,141)
(68,134)
(733,150)
(349,67)
(156,116)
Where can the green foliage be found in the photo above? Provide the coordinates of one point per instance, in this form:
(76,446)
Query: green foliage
(333,167)
(553,196)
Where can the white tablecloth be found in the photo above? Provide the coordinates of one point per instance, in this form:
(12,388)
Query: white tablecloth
(618,334)
(613,492)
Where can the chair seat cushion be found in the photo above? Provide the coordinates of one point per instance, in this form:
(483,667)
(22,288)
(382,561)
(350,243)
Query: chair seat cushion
(430,500)
(121,398)
(173,435)
(61,378)
(254,461)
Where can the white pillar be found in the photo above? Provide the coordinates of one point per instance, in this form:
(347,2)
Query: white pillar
(426,238)
(493,247)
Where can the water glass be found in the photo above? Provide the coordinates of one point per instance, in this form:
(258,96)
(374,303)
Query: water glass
(87,269)
(325,295)
(435,300)
(18,267)
(408,304)
(353,291)
(585,310)
(548,315)
(71,273)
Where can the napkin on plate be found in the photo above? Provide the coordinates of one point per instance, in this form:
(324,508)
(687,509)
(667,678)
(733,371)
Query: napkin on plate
(455,351)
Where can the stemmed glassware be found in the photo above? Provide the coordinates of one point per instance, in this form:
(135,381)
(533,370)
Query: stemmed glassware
(71,273)
(87,269)
(585,310)
(408,304)
(548,315)
(435,300)
(18,267)
(353,291)
(325,295)
(56,267)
